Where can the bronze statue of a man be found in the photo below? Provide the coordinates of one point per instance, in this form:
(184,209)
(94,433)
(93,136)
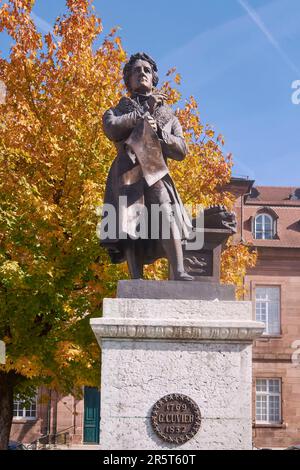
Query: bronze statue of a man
(146,133)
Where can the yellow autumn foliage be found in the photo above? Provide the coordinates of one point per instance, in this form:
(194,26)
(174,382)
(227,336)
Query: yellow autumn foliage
(54,160)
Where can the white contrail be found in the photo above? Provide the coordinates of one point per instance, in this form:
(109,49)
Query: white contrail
(261,25)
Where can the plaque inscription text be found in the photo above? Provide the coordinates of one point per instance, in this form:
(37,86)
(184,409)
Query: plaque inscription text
(176,418)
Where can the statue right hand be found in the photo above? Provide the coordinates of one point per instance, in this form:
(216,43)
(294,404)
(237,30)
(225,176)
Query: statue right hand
(155,100)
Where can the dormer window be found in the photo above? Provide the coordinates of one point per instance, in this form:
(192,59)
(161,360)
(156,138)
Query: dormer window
(264,227)
(295,196)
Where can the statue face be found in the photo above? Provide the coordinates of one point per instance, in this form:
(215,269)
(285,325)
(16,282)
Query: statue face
(141,79)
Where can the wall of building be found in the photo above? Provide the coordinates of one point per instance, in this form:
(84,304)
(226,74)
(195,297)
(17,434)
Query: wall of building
(288,432)
(272,356)
(56,414)
(28,430)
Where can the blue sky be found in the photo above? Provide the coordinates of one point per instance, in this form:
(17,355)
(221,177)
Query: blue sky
(237,57)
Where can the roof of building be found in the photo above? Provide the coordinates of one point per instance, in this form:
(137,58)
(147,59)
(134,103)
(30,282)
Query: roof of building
(238,186)
(275,195)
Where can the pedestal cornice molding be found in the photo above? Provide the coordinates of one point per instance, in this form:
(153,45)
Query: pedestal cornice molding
(219,331)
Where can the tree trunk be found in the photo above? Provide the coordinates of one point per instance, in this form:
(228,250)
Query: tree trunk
(7,382)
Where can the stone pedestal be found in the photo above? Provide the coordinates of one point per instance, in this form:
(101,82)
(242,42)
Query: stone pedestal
(155,347)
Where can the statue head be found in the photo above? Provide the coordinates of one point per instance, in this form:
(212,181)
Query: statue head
(140,73)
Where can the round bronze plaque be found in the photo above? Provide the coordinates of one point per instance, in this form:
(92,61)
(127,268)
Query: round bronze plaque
(176,418)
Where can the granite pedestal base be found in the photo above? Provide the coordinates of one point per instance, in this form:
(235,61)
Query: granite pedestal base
(155,347)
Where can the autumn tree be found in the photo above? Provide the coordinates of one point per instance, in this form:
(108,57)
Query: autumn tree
(54,160)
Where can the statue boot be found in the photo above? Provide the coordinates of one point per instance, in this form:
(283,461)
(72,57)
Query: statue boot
(173,250)
(133,258)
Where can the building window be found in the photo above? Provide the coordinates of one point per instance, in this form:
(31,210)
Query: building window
(264,227)
(24,410)
(268,401)
(267,308)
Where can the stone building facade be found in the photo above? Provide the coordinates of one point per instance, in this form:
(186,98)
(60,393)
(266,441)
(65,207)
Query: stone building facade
(269,219)
(55,419)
